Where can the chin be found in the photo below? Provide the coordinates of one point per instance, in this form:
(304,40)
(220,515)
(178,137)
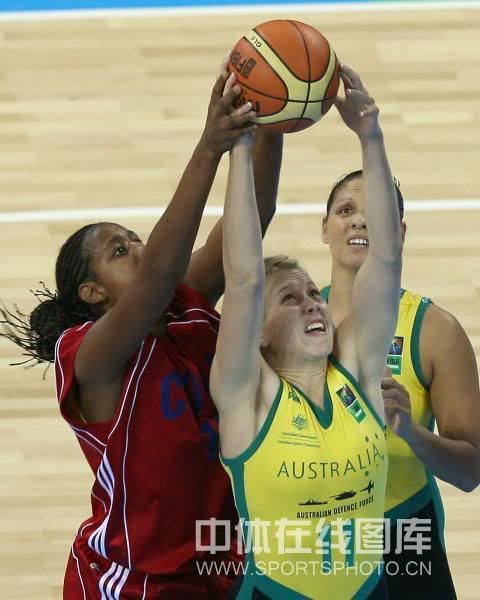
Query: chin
(356,261)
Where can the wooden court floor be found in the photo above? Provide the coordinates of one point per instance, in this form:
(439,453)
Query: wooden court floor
(104,113)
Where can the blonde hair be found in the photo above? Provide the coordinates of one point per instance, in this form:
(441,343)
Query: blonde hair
(280,262)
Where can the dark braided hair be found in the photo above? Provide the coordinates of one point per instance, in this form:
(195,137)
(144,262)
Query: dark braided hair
(359,173)
(38,332)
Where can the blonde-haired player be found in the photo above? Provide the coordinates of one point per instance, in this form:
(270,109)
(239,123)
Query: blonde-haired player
(301,430)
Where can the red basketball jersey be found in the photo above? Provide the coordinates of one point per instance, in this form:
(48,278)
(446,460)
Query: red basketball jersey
(156,463)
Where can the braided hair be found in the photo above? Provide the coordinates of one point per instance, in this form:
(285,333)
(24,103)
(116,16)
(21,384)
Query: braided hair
(38,332)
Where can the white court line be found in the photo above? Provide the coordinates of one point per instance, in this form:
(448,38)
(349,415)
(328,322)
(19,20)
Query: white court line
(110,13)
(143,212)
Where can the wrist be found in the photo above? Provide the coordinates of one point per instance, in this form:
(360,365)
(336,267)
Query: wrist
(243,147)
(371,137)
(205,152)
(411,434)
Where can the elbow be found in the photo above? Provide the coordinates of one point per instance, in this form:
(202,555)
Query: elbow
(470,481)
(468,484)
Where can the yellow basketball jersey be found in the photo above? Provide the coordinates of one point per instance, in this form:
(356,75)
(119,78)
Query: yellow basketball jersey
(410,486)
(310,492)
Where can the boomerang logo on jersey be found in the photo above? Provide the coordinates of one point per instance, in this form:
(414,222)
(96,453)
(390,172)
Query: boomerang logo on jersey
(395,356)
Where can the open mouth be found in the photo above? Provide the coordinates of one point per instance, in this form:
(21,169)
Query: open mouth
(359,242)
(316,328)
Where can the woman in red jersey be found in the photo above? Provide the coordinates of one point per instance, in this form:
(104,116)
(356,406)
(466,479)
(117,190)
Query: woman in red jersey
(132,331)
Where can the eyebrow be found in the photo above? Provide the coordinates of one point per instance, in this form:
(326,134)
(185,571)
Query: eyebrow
(284,288)
(114,240)
(288,286)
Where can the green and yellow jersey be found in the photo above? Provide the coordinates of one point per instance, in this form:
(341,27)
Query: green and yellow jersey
(410,486)
(310,492)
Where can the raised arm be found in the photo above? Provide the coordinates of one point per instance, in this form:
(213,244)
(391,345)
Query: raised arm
(376,289)
(119,332)
(205,272)
(235,374)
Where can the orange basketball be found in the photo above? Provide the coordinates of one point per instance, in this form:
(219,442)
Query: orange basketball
(288,71)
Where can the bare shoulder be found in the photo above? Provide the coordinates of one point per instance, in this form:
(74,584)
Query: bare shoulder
(441,330)
(444,345)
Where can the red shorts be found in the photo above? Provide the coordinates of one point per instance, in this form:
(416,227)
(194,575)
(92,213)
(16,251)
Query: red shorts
(89,576)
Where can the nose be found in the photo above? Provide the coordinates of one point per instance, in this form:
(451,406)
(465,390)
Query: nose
(310,306)
(359,222)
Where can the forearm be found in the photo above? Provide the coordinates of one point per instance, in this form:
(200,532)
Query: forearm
(170,244)
(455,461)
(381,208)
(267,162)
(242,239)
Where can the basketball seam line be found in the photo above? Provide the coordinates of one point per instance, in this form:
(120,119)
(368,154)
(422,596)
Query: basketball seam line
(283,99)
(309,84)
(332,77)
(279,58)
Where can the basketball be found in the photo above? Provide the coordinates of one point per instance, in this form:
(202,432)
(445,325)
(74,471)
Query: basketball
(288,71)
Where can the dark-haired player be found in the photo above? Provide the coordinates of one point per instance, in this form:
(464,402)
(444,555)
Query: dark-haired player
(132,330)
(433,359)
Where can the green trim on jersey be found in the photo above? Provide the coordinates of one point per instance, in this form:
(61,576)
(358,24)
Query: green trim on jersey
(436,497)
(412,505)
(248,452)
(277,591)
(415,341)
(371,583)
(324,415)
(355,383)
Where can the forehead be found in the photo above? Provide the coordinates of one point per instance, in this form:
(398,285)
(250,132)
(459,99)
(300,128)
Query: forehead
(289,278)
(350,190)
(104,232)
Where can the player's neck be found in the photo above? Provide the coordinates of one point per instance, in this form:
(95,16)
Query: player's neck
(310,379)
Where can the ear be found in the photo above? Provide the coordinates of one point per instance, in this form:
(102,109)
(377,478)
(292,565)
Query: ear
(404,231)
(264,340)
(92,293)
(324,230)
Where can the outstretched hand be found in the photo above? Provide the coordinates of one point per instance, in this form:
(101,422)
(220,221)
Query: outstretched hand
(226,124)
(357,109)
(398,409)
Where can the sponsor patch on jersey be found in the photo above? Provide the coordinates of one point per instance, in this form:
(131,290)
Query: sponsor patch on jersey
(351,402)
(395,356)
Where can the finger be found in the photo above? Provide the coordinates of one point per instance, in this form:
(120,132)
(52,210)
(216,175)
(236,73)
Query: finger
(347,82)
(370,111)
(230,97)
(243,119)
(244,108)
(388,372)
(388,382)
(218,87)
(394,388)
(225,62)
(234,134)
(229,83)
(397,401)
(360,96)
(354,77)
